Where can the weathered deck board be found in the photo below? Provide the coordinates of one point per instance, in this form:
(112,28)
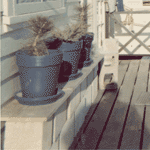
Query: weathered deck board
(149,78)
(113,130)
(144,99)
(91,111)
(90,137)
(132,132)
(146,141)
(88,116)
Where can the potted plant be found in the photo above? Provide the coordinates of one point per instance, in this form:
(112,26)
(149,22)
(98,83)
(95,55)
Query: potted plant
(39,65)
(82,17)
(71,47)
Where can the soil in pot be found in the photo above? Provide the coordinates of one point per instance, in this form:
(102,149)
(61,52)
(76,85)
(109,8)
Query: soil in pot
(39,75)
(71,55)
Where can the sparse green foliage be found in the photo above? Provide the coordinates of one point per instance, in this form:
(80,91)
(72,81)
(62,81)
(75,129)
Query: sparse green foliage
(71,32)
(75,31)
(82,15)
(40,26)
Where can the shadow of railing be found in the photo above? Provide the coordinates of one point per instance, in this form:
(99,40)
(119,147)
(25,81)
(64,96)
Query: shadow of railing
(91,135)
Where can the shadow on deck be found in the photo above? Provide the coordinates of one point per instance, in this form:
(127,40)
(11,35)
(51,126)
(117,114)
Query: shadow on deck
(115,121)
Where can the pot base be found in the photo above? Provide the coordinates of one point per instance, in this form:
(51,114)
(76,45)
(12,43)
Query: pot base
(87,63)
(38,100)
(74,76)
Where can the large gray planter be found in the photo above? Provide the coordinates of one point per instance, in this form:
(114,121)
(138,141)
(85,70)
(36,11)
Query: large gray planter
(39,77)
(71,54)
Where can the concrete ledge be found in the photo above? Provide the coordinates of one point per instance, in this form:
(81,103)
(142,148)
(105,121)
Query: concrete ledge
(58,122)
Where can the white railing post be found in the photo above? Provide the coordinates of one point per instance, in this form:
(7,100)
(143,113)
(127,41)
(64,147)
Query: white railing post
(103,21)
(95,41)
(100,23)
(82,2)
(8,7)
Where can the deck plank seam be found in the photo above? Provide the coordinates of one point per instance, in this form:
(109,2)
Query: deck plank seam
(134,89)
(94,110)
(129,97)
(137,73)
(148,78)
(84,126)
(126,70)
(124,75)
(142,131)
(128,63)
(109,115)
(124,124)
(147,82)
(107,120)
(127,113)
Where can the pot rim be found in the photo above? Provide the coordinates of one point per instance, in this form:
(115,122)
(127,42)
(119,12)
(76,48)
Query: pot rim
(25,60)
(24,53)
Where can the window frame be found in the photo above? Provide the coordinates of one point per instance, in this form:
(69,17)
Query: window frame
(32,7)
(19,12)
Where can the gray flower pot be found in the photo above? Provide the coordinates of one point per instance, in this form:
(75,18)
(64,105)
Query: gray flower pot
(38,77)
(71,55)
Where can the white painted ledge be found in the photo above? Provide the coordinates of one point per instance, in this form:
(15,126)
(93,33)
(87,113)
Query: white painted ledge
(53,123)
(9,20)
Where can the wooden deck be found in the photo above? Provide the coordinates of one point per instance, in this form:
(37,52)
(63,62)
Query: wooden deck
(116,120)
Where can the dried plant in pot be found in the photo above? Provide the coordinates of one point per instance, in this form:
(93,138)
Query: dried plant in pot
(71,47)
(39,66)
(82,16)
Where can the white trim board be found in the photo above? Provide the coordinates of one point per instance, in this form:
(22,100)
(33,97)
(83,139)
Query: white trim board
(22,18)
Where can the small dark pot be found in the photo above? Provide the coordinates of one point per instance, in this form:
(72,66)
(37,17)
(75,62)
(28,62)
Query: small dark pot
(71,55)
(86,49)
(39,74)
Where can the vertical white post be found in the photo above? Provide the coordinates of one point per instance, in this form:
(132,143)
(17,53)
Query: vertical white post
(63,3)
(8,7)
(95,23)
(99,24)
(81,2)
(112,27)
(103,21)
(107,25)
(14,6)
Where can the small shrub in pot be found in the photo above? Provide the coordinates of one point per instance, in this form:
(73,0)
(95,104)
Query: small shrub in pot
(71,47)
(82,15)
(38,65)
